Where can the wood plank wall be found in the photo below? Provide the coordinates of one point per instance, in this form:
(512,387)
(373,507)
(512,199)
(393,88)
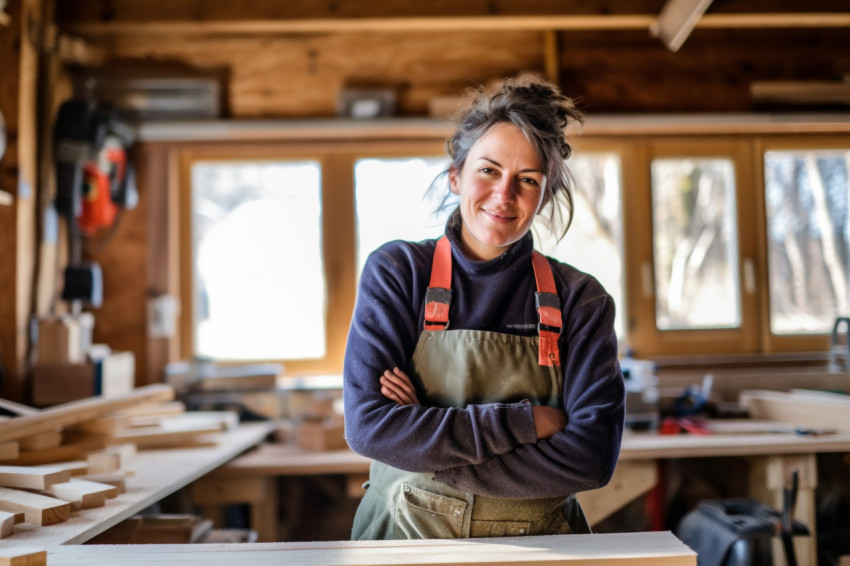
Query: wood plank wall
(275,70)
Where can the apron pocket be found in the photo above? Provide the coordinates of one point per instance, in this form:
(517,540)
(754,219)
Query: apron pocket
(480,529)
(421,514)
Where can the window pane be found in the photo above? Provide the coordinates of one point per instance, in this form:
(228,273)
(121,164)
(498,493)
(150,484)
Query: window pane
(392,203)
(695,244)
(594,242)
(259,287)
(808,232)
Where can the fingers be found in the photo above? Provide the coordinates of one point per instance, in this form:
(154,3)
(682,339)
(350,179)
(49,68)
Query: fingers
(395,385)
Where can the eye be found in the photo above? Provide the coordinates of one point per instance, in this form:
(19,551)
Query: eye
(488,170)
(529,180)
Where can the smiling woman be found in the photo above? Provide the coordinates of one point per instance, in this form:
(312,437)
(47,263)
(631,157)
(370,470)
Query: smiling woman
(480,376)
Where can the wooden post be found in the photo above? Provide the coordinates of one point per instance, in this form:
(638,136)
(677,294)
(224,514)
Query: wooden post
(779,470)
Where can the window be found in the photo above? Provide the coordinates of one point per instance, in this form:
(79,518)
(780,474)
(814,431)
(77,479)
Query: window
(709,245)
(393,202)
(594,242)
(259,287)
(808,238)
(695,247)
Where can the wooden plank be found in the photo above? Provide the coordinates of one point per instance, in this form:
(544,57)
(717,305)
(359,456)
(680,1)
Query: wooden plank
(23,556)
(139,415)
(633,549)
(111,459)
(32,477)
(161,436)
(158,473)
(806,408)
(79,411)
(82,494)
(63,453)
(676,21)
(643,446)
(8,520)
(559,22)
(17,408)
(8,451)
(38,509)
(40,441)
(360,25)
(75,468)
(118,480)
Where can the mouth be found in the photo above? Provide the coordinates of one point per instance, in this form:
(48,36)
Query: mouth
(500,217)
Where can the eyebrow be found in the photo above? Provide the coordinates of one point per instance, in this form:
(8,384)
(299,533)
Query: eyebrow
(497,164)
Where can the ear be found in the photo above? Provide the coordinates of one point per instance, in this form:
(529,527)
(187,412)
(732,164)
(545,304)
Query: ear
(454,180)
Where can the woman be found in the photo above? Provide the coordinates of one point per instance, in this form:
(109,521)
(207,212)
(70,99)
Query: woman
(510,398)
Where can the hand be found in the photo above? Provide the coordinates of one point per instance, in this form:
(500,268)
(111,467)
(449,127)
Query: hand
(395,385)
(548,421)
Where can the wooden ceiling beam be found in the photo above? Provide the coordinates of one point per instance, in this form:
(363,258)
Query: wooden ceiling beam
(449,24)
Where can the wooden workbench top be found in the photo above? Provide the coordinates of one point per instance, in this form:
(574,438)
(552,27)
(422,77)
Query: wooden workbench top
(290,460)
(157,473)
(632,549)
(643,446)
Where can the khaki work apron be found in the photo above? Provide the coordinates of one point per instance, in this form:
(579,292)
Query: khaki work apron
(456,368)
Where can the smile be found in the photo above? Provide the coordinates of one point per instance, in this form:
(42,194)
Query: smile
(498,217)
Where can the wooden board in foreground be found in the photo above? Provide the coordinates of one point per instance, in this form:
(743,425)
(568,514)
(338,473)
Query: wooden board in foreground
(23,556)
(622,549)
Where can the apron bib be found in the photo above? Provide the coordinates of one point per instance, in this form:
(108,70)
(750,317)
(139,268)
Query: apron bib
(456,368)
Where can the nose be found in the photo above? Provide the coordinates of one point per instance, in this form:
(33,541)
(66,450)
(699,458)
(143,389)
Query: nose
(505,190)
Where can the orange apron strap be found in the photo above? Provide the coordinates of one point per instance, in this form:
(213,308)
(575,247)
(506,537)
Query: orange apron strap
(439,294)
(548,311)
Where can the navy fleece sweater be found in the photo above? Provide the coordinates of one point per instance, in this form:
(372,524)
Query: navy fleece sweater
(484,449)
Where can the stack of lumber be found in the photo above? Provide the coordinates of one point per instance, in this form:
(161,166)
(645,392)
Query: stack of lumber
(78,455)
(816,410)
(251,389)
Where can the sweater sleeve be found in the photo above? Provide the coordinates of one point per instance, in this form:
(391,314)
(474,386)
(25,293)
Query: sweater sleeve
(383,334)
(583,455)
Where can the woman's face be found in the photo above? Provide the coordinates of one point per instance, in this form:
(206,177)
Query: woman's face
(501,188)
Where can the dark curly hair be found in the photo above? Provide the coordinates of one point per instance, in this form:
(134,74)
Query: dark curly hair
(543,114)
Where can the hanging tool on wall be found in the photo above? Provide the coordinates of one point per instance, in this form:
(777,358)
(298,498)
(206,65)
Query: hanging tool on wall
(94,180)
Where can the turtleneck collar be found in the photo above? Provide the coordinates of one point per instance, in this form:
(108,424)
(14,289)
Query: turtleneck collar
(519,251)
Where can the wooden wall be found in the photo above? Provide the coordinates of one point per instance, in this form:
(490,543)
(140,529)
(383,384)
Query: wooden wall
(291,59)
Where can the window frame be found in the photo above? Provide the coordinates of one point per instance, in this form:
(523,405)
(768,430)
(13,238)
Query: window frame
(636,150)
(338,229)
(784,342)
(644,336)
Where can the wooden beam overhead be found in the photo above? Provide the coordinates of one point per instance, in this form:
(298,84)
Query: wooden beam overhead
(677,20)
(453,24)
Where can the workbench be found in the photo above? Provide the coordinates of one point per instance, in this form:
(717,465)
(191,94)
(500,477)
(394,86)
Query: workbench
(252,478)
(627,549)
(157,473)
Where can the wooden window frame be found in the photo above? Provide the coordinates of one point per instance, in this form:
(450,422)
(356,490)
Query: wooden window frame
(338,156)
(338,232)
(780,342)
